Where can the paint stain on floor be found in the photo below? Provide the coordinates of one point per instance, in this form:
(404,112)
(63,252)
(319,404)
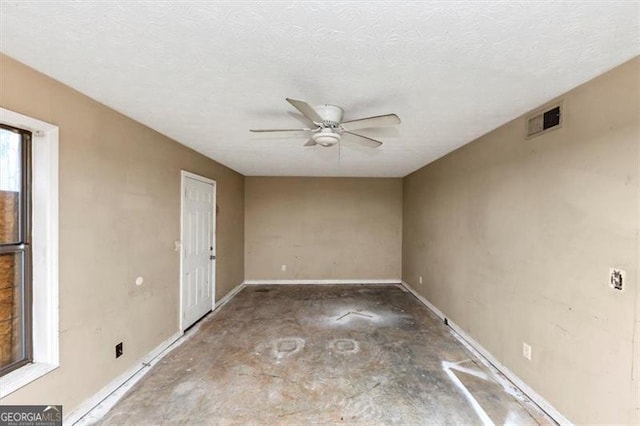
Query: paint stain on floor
(339,354)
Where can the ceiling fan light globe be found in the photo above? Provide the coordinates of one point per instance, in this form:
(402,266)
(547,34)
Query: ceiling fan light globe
(326,138)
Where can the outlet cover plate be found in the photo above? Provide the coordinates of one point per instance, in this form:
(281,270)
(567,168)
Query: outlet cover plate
(617,278)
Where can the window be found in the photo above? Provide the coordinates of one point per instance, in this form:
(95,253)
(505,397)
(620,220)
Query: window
(15,248)
(28,249)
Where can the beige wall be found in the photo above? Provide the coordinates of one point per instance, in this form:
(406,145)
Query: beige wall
(323,228)
(514,239)
(119,218)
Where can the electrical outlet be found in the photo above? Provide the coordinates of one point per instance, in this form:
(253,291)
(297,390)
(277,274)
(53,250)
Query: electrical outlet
(526,350)
(283,268)
(119,350)
(617,278)
(420,279)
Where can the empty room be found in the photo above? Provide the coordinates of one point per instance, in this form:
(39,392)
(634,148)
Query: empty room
(368,213)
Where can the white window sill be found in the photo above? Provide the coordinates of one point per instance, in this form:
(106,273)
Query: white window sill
(13,381)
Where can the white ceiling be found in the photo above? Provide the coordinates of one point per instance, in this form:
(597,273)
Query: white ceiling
(204,73)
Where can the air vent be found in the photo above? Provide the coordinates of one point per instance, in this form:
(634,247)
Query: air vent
(544,121)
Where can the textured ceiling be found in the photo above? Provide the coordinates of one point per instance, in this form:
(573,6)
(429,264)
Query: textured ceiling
(204,73)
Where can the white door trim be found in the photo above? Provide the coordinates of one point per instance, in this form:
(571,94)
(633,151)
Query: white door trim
(185,174)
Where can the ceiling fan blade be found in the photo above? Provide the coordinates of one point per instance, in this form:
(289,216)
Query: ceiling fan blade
(311,142)
(278,130)
(365,140)
(306,110)
(376,121)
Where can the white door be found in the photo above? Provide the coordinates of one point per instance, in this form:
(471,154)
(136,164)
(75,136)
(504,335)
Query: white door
(198,248)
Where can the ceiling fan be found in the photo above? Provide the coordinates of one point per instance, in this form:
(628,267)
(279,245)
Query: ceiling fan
(329,127)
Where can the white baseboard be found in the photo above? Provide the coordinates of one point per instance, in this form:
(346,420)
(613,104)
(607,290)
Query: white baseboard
(485,355)
(94,408)
(322,282)
(99,404)
(230,295)
(424,301)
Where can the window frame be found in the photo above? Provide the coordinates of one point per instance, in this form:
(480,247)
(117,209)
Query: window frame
(23,247)
(44,251)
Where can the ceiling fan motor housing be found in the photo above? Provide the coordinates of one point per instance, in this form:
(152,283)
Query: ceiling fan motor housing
(331,114)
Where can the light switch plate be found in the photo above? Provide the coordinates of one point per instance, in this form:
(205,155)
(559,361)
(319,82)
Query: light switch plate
(526,350)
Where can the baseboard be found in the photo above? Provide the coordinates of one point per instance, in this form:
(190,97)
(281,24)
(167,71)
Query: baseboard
(99,404)
(230,295)
(485,355)
(424,301)
(322,282)
(119,385)
(94,408)
(526,389)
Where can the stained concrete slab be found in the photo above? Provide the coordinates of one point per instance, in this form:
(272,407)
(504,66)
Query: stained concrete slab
(339,354)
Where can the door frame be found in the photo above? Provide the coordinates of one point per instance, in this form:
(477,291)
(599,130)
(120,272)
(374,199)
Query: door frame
(183,176)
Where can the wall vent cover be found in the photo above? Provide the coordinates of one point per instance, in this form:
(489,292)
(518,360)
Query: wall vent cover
(541,122)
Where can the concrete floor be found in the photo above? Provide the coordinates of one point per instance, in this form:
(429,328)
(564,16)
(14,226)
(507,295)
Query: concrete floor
(322,355)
